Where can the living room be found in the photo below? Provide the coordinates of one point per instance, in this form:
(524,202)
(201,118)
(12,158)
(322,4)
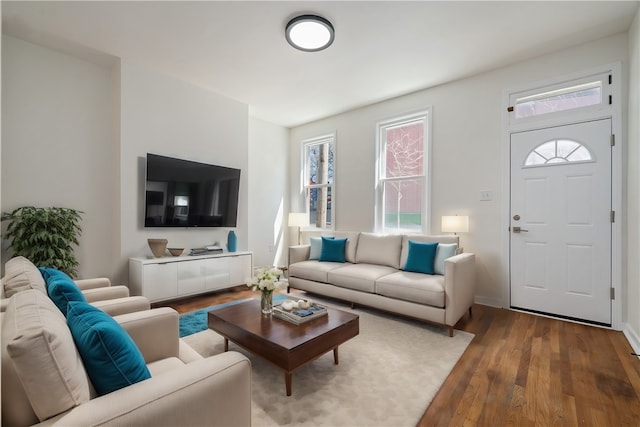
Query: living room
(78,123)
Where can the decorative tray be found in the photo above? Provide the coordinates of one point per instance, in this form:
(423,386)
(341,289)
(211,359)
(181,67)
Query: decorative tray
(298,311)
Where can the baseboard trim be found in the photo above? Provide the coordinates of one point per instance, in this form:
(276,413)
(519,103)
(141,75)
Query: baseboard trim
(633,337)
(491,302)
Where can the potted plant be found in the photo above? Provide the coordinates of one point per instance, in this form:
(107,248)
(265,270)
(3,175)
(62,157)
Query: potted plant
(45,236)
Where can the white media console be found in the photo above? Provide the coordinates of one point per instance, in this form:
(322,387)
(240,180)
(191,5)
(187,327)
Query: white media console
(174,277)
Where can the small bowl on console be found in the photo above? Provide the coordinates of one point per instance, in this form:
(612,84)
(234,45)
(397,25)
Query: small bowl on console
(176,251)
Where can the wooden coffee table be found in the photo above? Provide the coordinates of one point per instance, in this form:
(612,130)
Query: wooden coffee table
(284,344)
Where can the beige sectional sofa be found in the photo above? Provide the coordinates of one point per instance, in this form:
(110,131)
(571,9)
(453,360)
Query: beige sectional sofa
(373,275)
(47,379)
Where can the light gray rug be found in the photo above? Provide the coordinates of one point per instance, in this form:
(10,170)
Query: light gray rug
(387,375)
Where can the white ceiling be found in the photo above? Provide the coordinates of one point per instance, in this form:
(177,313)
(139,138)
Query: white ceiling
(381,49)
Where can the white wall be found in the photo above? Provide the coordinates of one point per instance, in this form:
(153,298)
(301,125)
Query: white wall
(632,297)
(57,143)
(162,115)
(467,152)
(75,134)
(268,197)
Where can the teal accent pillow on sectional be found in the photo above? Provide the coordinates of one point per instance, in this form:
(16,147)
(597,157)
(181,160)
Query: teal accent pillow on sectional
(444,251)
(421,257)
(62,290)
(49,273)
(109,354)
(333,250)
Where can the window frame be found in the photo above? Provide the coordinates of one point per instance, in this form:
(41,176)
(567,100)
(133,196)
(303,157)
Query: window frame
(329,138)
(538,92)
(425,115)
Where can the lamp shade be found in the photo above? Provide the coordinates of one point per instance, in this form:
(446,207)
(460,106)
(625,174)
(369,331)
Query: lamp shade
(455,224)
(298,219)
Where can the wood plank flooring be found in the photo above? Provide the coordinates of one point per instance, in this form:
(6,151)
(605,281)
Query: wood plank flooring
(523,370)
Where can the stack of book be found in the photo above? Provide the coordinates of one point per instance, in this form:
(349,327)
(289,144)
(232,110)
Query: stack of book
(206,250)
(299,316)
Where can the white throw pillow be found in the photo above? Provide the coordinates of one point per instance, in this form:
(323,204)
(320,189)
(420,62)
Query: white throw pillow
(20,275)
(444,251)
(43,354)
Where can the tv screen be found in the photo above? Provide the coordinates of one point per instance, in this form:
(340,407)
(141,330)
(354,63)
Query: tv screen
(184,193)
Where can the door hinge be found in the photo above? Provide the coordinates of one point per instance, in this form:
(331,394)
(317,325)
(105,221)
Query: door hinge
(610,79)
(510,109)
(613,293)
(613,216)
(610,99)
(613,140)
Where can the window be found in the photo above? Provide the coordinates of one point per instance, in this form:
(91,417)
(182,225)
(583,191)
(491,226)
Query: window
(402,174)
(557,152)
(587,93)
(319,182)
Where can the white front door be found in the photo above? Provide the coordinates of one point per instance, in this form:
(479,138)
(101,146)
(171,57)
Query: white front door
(560,221)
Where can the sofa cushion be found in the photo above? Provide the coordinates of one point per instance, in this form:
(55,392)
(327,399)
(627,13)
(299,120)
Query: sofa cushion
(421,257)
(352,243)
(415,287)
(19,275)
(423,238)
(333,250)
(313,270)
(109,354)
(379,249)
(359,277)
(316,247)
(40,361)
(443,251)
(62,290)
(49,273)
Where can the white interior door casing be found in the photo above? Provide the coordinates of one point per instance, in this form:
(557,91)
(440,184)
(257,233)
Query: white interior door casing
(560,263)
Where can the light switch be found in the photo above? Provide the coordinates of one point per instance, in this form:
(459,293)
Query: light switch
(486,195)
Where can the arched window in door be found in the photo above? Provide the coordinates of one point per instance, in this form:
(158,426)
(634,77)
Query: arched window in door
(558,152)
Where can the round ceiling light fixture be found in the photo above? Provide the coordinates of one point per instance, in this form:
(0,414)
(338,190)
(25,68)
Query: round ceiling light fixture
(309,33)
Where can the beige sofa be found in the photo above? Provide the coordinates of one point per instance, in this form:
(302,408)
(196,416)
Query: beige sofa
(21,274)
(373,276)
(44,381)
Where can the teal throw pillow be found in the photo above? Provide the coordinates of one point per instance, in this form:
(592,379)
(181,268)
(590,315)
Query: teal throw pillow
(421,257)
(316,247)
(333,250)
(49,273)
(109,354)
(444,251)
(62,290)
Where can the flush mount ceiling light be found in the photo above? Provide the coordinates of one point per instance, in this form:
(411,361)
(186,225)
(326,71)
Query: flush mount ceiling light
(309,33)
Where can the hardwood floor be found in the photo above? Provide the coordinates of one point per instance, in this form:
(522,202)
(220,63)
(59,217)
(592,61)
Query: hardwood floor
(523,370)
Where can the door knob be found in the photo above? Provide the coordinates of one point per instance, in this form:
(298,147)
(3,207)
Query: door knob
(517,229)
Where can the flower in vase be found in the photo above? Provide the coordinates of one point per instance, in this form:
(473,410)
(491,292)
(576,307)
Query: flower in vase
(266,279)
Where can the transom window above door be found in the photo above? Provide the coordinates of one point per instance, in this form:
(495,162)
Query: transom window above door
(558,152)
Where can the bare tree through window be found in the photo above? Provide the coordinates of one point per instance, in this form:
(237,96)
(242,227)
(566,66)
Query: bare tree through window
(402,173)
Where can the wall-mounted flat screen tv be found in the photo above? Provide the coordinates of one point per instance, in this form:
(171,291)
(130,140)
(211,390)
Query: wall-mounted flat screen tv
(184,193)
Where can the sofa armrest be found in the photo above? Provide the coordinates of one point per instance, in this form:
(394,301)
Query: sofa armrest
(210,392)
(118,306)
(98,282)
(155,332)
(299,253)
(100,294)
(459,286)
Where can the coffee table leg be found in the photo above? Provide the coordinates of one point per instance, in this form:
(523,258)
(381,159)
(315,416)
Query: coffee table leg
(287,382)
(226,344)
(335,355)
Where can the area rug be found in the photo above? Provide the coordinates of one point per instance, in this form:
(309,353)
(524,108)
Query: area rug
(196,321)
(387,375)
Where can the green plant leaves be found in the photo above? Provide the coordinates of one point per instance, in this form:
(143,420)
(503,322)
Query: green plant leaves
(45,236)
